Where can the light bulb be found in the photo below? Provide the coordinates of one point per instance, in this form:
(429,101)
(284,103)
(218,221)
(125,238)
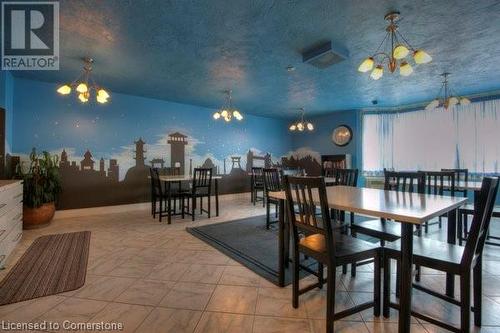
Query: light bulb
(83,97)
(101,99)
(237,115)
(216,115)
(464,101)
(82,88)
(292,127)
(227,119)
(300,127)
(377,72)
(310,126)
(366,65)
(405,69)
(103,93)
(64,90)
(432,105)
(400,52)
(421,57)
(224,113)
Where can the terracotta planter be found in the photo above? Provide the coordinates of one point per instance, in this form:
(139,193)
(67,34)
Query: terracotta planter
(38,217)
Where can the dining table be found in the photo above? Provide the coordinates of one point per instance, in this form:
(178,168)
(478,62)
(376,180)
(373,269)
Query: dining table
(409,209)
(169,179)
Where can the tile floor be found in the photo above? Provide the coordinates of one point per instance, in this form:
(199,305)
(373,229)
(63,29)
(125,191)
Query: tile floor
(156,277)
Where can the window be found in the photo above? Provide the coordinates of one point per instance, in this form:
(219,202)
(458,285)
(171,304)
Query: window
(467,137)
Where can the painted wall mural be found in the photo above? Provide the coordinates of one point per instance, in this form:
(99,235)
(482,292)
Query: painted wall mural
(105,152)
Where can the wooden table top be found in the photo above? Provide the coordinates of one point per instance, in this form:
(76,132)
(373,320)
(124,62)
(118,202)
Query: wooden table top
(404,207)
(181,178)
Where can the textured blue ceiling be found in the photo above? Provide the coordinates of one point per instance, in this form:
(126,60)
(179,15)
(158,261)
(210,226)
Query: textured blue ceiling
(189,51)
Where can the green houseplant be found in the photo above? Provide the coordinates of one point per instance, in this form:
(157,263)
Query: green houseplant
(42,184)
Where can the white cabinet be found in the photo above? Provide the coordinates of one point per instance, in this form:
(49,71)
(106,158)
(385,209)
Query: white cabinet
(11,217)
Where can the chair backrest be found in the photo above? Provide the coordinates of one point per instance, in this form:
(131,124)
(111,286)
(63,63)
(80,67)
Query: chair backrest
(346,177)
(460,174)
(438,182)
(202,179)
(412,182)
(292,172)
(303,195)
(483,210)
(155,181)
(257,175)
(272,181)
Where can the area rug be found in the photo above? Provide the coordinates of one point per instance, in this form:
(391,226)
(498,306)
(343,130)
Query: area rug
(52,264)
(248,242)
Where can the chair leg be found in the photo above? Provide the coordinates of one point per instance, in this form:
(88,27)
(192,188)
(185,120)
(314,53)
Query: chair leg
(387,287)
(193,208)
(183,207)
(478,291)
(209,206)
(201,205)
(440,224)
(320,275)
(419,272)
(161,208)
(465,302)
(295,281)
(330,299)
(263,199)
(376,287)
(398,278)
(426,227)
(353,265)
(344,269)
(268,215)
(459,229)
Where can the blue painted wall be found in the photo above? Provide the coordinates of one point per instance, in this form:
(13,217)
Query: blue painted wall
(51,122)
(6,102)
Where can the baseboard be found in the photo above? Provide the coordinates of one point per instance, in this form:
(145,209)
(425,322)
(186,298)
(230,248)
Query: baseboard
(80,212)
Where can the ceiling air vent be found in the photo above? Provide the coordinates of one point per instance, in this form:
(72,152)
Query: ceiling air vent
(324,55)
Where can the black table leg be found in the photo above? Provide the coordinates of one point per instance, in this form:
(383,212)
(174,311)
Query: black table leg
(406,277)
(169,208)
(216,197)
(452,239)
(281,244)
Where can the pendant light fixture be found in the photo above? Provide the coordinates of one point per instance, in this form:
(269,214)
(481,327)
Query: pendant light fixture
(227,111)
(301,124)
(446,97)
(394,57)
(85,85)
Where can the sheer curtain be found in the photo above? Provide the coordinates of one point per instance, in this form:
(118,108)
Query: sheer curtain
(467,137)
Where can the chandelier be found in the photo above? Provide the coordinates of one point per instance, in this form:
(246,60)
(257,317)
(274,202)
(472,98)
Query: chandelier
(85,85)
(301,124)
(396,56)
(227,111)
(446,97)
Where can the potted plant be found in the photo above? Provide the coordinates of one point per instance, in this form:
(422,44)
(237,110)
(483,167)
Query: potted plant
(42,184)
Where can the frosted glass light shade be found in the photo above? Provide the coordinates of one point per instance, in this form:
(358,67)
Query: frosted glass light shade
(421,57)
(103,93)
(82,88)
(400,52)
(216,115)
(377,72)
(64,90)
(83,97)
(292,127)
(310,126)
(464,101)
(452,101)
(405,69)
(366,65)
(432,105)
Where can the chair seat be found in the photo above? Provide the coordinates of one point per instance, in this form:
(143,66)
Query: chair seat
(469,209)
(385,230)
(346,247)
(430,253)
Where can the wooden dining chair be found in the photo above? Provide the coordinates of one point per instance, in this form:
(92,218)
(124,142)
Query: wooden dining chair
(162,197)
(257,185)
(201,187)
(453,259)
(382,229)
(439,183)
(155,191)
(345,177)
(272,183)
(292,172)
(314,237)
(461,175)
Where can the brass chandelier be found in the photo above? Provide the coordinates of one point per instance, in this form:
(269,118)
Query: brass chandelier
(85,85)
(446,97)
(227,111)
(396,56)
(301,124)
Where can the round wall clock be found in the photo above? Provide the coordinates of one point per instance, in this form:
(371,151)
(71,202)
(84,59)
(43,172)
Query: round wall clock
(342,135)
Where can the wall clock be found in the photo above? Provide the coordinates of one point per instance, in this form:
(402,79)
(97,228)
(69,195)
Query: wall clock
(342,135)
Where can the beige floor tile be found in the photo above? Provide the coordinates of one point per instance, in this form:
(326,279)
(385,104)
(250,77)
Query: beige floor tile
(163,320)
(29,310)
(130,316)
(239,276)
(74,310)
(233,299)
(280,325)
(203,273)
(387,327)
(191,296)
(339,326)
(278,302)
(168,271)
(132,269)
(145,292)
(106,288)
(315,304)
(217,322)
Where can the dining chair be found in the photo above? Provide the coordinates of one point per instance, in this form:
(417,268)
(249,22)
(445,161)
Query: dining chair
(382,229)
(346,177)
(292,172)
(451,258)
(154,191)
(257,184)
(272,183)
(439,183)
(201,187)
(162,197)
(461,175)
(314,237)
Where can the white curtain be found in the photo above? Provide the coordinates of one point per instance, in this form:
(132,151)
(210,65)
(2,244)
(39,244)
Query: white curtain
(467,137)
